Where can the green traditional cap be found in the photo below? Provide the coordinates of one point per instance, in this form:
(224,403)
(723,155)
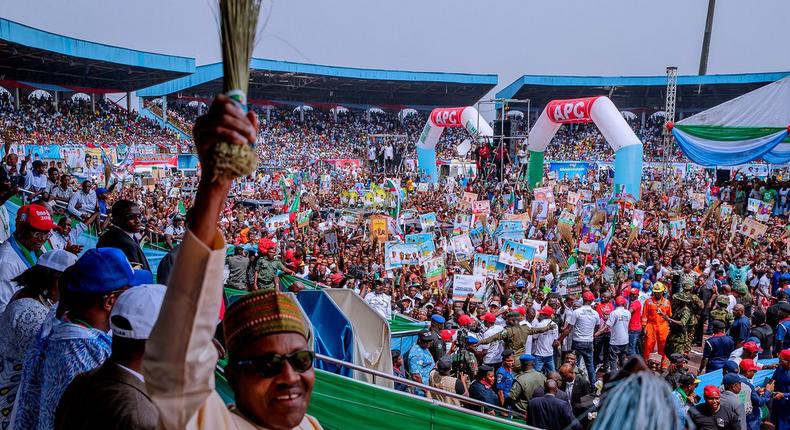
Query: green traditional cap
(260,314)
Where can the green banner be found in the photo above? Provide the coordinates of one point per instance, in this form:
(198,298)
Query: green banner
(728,134)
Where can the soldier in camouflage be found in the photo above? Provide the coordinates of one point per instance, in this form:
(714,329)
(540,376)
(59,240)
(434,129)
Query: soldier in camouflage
(719,311)
(680,324)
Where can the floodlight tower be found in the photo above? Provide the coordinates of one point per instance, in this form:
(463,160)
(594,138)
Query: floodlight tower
(669,115)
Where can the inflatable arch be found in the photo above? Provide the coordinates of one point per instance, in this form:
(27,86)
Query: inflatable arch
(441,118)
(601,111)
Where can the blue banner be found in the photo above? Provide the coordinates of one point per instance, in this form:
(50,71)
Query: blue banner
(570,169)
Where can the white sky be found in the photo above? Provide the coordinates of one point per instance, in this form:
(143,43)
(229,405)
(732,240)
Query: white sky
(506,37)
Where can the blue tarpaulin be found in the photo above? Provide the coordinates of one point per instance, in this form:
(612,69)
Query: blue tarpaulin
(332,331)
(714,378)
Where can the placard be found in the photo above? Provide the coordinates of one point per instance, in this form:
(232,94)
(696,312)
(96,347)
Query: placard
(541,249)
(481,207)
(378,228)
(487,265)
(462,247)
(461,223)
(752,228)
(569,283)
(463,285)
(677,227)
(540,210)
(516,254)
(428,221)
(400,254)
(276,222)
(435,269)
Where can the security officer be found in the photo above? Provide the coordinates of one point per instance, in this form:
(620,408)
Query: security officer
(717,349)
(514,335)
(504,376)
(438,348)
(680,325)
(420,360)
(464,362)
(720,313)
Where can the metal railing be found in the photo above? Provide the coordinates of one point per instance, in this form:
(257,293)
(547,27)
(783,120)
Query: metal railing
(463,399)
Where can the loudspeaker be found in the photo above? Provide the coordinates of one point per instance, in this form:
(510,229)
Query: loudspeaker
(502,129)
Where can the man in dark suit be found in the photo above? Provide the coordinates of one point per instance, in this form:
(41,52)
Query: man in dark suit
(126,222)
(577,388)
(562,395)
(114,395)
(549,412)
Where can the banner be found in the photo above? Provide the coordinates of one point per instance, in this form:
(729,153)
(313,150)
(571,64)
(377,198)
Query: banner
(464,285)
(462,247)
(540,210)
(677,226)
(541,249)
(154,160)
(569,283)
(481,207)
(461,223)
(509,225)
(514,235)
(428,221)
(516,254)
(761,209)
(435,269)
(570,170)
(424,242)
(303,218)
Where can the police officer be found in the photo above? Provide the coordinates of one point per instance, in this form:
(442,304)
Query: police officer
(505,376)
(464,362)
(717,349)
(438,348)
(420,360)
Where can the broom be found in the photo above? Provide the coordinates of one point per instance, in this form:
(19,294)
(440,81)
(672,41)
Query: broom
(238,21)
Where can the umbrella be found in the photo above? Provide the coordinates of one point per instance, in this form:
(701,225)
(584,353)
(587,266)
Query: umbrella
(304,108)
(375,110)
(39,94)
(80,96)
(657,114)
(338,109)
(628,115)
(406,112)
(515,114)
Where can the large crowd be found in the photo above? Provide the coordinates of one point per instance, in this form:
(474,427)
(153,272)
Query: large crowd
(690,280)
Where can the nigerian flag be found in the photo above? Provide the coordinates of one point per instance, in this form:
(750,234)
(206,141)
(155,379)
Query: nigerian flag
(754,125)
(393,187)
(294,206)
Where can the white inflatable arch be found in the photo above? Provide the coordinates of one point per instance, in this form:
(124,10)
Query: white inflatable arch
(601,111)
(441,118)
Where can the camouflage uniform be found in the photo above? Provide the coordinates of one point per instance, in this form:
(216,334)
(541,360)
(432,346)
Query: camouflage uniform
(696,305)
(745,299)
(679,339)
(719,311)
(514,337)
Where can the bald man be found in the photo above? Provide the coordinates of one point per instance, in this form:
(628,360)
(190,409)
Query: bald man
(740,328)
(549,412)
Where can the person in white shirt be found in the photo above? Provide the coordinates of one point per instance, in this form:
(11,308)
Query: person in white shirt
(83,203)
(543,344)
(494,349)
(174,232)
(582,322)
(380,301)
(35,178)
(62,192)
(66,236)
(618,324)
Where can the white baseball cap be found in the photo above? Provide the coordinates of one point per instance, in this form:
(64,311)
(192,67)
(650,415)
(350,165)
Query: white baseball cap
(57,259)
(136,311)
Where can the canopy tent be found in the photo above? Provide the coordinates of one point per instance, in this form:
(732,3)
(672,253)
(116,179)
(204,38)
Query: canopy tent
(754,125)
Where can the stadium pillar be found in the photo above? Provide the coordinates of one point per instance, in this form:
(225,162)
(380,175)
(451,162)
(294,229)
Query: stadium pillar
(93,102)
(164,108)
(268,115)
(128,102)
(643,118)
(55,100)
(301,113)
(16,98)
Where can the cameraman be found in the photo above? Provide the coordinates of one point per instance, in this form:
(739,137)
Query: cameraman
(464,362)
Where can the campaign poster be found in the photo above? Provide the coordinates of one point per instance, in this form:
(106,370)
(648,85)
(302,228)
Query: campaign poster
(462,247)
(466,201)
(461,223)
(463,285)
(569,283)
(516,254)
(488,265)
(522,217)
(428,221)
(276,222)
(638,219)
(331,241)
(540,210)
(303,218)
(378,228)
(424,242)
(509,225)
(586,195)
(514,235)
(541,249)
(477,235)
(545,194)
(725,210)
(435,269)
(677,226)
(400,254)
(752,229)
(573,198)
(567,217)
(697,201)
(481,207)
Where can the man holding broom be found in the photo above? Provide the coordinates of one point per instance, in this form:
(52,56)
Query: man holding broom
(270,365)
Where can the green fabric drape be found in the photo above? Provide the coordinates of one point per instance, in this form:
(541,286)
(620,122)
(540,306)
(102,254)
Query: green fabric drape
(728,134)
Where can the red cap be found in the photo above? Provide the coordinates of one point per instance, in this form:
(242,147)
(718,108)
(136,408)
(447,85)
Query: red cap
(521,310)
(446,335)
(588,296)
(35,216)
(748,364)
(620,300)
(752,347)
(546,310)
(711,391)
(489,317)
(464,320)
(785,354)
(635,291)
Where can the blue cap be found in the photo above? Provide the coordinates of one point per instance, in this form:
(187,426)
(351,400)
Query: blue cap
(525,358)
(521,283)
(102,270)
(635,284)
(730,379)
(471,340)
(753,339)
(437,318)
(730,367)
(100,191)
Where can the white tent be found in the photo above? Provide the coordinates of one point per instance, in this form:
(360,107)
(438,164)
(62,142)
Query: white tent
(658,114)
(195,103)
(39,94)
(338,109)
(515,114)
(80,96)
(304,108)
(375,110)
(406,112)
(628,115)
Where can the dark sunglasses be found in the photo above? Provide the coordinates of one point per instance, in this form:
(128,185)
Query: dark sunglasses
(271,365)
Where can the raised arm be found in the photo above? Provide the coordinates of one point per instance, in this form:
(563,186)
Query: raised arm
(180,358)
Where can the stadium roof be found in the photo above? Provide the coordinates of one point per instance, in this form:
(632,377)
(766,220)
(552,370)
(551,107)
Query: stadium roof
(283,82)
(636,92)
(31,56)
